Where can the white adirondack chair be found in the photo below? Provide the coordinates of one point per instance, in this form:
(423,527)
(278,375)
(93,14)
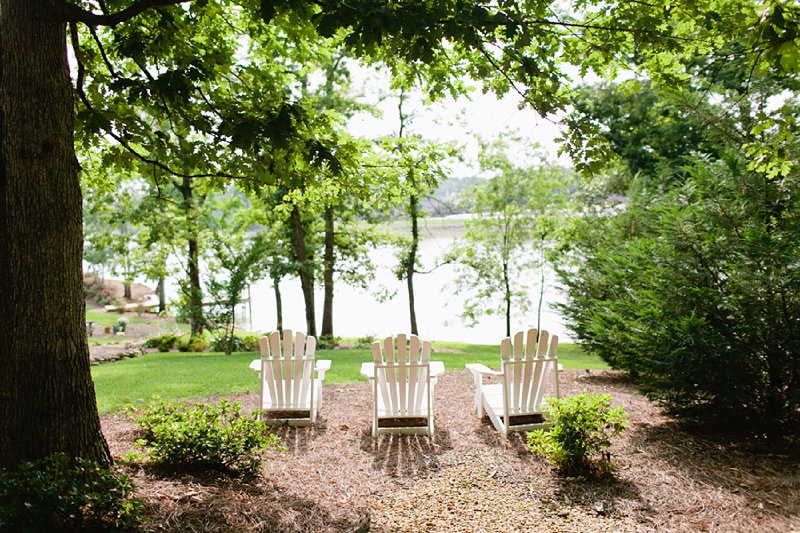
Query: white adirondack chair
(516,403)
(402,387)
(291,380)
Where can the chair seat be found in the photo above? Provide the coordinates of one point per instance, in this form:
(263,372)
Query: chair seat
(493,401)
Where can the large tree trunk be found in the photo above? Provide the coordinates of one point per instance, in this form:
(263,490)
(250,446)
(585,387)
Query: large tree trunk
(306,277)
(327,275)
(47,400)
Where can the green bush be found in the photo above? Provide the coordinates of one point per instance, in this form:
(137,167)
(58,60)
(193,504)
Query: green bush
(579,440)
(328,342)
(365,342)
(202,437)
(194,344)
(54,495)
(163,343)
(250,343)
(695,292)
(227,344)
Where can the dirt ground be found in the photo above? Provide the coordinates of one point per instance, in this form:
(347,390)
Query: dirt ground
(335,477)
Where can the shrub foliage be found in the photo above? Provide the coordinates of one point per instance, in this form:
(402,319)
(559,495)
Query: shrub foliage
(697,293)
(203,437)
(579,441)
(56,494)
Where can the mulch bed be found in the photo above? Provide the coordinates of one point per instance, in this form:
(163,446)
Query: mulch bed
(335,477)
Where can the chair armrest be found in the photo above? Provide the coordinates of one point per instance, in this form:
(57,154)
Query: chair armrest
(479,369)
(322,366)
(255,365)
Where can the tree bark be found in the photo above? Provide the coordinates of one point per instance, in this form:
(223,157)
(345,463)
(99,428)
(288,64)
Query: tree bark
(276,284)
(162,295)
(193,258)
(306,278)
(507,296)
(327,275)
(412,260)
(47,399)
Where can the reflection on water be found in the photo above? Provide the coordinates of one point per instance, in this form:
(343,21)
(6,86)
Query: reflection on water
(358,313)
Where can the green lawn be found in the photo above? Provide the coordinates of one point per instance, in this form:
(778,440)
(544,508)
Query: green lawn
(184,376)
(103,318)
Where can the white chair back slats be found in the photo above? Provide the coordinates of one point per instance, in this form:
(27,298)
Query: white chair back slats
(402,383)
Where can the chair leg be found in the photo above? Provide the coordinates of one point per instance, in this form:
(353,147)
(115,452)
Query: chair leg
(477,377)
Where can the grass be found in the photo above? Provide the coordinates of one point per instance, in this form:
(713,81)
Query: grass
(173,376)
(185,376)
(110,319)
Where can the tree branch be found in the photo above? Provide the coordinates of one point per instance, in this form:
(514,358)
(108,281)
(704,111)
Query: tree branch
(72,13)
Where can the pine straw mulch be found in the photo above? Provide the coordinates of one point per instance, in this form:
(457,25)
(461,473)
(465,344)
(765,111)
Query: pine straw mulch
(335,477)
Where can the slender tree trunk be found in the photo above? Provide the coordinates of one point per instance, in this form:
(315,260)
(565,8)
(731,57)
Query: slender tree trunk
(126,291)
(193,257)
(507,287)
(276,284)
(195,291)
(413,212)
(162,295)
(47,399)
(327,275)
(306,277)
(411,260)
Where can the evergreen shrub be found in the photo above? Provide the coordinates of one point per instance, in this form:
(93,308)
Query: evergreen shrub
(696,292)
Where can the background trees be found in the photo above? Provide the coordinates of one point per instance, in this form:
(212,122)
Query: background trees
(505,239)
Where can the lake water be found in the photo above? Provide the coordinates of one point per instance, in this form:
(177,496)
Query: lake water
(358,313)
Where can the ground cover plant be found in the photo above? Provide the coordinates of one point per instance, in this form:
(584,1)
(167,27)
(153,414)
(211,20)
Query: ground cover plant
(55,494)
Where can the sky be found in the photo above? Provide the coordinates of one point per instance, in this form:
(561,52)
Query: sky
(459,120)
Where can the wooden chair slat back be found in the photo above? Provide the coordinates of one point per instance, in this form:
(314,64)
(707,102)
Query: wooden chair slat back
(402,380)
(526,375)
(287,369)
